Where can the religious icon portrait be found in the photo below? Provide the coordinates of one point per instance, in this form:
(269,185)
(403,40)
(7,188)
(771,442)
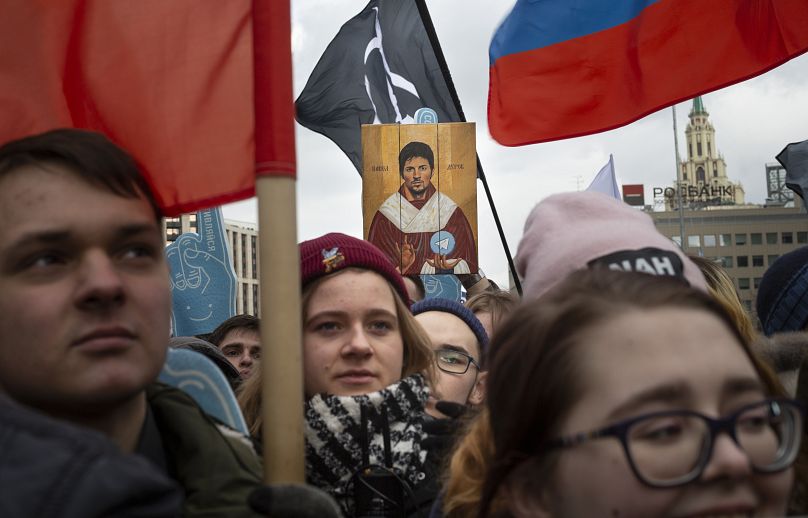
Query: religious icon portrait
(419,195)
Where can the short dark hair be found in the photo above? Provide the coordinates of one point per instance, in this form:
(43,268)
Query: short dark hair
(90,156)
(240,322)
(412,150)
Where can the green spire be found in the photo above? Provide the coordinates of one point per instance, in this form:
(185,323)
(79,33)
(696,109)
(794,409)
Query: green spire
(698,107)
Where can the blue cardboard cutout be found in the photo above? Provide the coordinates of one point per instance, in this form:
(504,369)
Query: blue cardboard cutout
(203,281)
(442,287)
(201,379)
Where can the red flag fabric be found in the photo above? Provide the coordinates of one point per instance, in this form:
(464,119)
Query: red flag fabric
(274,108)
(562,69)
(170,80)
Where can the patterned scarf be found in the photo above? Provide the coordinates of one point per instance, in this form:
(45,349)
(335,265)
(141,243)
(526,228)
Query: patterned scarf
(334,436)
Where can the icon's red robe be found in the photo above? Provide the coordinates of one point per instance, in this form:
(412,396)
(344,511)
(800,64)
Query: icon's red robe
(417,220)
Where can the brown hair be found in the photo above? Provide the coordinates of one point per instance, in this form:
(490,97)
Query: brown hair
(533,367)
(418,356)
(89,156)
(723,289)
(499,303)
(466,472)
(240,322)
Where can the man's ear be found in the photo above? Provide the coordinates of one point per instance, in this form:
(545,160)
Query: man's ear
(477,395)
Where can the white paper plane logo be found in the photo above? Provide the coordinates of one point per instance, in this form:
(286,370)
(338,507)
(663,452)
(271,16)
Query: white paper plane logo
(442,242)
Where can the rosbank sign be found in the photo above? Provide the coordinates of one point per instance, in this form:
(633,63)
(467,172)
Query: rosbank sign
(705,193)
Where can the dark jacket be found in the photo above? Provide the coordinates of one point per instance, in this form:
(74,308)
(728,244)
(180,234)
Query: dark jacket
(51,468)
(216,466)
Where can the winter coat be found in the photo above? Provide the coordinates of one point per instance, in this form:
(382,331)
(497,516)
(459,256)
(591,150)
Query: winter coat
(50,468)
(217,467)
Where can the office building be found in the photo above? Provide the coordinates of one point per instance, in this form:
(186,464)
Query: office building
(744,238)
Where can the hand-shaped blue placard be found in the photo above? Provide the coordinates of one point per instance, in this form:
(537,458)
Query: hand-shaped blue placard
(442,287)
(203,281)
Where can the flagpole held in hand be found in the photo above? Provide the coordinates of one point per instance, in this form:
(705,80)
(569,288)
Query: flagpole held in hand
(282,359)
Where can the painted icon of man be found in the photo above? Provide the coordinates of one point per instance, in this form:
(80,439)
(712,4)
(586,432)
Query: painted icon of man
(422,230)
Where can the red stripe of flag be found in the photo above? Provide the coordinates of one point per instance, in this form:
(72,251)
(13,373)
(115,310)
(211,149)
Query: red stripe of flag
(674,50)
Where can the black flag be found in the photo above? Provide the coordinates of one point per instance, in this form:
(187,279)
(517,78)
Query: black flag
(794,158)
(381,67)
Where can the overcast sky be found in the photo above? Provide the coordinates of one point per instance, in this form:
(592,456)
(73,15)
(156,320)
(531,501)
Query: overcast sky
(753,120)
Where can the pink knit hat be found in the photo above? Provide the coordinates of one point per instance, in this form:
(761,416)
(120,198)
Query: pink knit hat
(570,231)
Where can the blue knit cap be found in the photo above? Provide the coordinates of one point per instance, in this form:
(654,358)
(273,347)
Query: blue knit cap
(782,299)
(458,310)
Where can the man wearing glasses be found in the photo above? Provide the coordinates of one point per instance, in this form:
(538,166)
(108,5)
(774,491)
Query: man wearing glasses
(459,341)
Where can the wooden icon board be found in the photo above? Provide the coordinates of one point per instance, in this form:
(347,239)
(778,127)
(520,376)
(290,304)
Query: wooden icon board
(424,217)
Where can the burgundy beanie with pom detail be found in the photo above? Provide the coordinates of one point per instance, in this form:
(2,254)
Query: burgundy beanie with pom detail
(570,231)
(334,252)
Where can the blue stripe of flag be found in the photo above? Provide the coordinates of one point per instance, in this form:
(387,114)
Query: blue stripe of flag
(533,24)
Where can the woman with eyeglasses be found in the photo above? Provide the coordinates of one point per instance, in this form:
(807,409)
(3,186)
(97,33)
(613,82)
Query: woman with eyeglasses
(624,394)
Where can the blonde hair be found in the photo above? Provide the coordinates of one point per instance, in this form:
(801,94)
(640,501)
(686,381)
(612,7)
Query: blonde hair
(467,469)
(418,356)
(722,289)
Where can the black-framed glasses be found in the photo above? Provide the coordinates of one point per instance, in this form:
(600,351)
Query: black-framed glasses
(672,448)
(453,361)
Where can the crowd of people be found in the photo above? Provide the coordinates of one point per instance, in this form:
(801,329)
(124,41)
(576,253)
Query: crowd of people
(627,381)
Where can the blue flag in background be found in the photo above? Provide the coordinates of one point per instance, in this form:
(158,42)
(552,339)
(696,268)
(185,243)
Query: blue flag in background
(203,281)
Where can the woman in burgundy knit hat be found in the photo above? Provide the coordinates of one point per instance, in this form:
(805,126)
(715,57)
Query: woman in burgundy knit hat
(367,366)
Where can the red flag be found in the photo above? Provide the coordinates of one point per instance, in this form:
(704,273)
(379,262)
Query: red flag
(170,80)
(562,69)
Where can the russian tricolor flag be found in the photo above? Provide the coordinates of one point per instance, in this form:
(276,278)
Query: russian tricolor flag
(566,68)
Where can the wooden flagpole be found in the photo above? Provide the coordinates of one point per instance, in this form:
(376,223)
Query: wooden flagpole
(281,355)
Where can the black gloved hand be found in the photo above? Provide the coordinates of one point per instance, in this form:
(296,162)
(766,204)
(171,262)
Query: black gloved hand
(442,433)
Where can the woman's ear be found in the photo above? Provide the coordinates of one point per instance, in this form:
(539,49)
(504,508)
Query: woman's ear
(477,395)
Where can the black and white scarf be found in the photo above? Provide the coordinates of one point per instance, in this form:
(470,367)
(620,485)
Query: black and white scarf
(334,435)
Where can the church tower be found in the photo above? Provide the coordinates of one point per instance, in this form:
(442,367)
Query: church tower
(704,173)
